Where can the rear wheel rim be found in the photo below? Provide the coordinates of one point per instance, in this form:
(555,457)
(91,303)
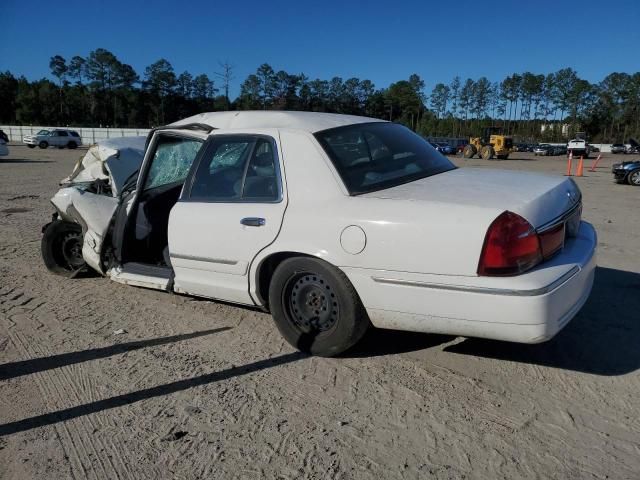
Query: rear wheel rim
(311,303)
(635,178)
(71,251)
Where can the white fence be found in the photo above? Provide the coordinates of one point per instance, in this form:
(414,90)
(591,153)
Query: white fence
(89,135)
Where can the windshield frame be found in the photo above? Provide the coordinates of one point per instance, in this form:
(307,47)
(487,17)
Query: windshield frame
(382,185)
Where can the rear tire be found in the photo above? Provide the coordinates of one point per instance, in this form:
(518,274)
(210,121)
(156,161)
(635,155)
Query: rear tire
(72,145)
(43,144)
(315,307)
(30,146)
(62,248)
(469,151)
(487,152)
(634,178)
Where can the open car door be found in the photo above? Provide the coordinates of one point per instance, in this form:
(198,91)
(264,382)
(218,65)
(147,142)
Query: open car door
(231,208)
(140,245)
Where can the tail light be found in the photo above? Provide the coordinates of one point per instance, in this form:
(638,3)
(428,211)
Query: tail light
(551,241)
(511,246)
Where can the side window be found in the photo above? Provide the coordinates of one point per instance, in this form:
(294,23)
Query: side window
(171,161)
(62,133)
(237,169)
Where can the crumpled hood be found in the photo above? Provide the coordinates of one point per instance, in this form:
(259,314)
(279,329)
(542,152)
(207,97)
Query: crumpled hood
(114,159)
(537,197)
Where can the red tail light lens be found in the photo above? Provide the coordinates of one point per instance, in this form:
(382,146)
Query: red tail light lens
(552,241)
(511,246)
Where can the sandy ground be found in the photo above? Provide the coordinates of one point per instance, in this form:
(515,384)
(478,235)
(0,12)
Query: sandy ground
(198,389)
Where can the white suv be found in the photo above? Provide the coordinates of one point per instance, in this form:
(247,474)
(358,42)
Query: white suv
(60,137)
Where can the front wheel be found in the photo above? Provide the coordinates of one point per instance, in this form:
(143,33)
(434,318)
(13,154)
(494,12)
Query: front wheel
(315,307)
(634,178)
(30,146)
(469,151)
(62,248)
(43,144)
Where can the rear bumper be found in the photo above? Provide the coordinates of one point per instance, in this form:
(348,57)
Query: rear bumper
(529,308)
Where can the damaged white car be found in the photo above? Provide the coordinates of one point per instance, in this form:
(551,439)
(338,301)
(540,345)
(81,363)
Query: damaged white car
(332,223)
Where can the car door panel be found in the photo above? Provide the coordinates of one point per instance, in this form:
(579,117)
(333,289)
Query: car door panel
(213,242)
(141,220)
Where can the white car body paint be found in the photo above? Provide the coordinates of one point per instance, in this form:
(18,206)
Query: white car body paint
(214,265)
(410,251)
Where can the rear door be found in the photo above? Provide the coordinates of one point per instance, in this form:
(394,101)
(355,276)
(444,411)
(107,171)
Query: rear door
(232,207)
(61,138)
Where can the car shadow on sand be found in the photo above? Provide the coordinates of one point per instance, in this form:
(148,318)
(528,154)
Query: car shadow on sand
(35,365)
(379,342)
(145,394)
(603,339)
(22,160)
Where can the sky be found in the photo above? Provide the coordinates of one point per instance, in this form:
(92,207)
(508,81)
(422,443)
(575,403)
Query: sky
(383,41)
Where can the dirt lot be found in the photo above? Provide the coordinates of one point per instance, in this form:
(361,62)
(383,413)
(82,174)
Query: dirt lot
(198,389)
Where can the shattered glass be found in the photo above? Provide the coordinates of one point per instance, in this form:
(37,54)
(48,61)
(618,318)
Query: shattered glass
(172,161)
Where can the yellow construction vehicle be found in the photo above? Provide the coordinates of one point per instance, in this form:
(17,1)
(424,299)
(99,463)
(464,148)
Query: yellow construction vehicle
(492,144)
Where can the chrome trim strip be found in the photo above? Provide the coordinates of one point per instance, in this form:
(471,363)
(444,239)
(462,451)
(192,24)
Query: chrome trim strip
(203,259)
(489,291)
(561,219)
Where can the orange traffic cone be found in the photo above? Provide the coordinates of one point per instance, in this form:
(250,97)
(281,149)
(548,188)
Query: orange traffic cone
(580,167)
(595,164)
(568,174)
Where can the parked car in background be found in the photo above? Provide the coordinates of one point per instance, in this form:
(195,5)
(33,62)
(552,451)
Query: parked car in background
(442,147)
(559,150)
(618,148)
(542,150)
(211,214)
(628,172)
(460,148)
(4,149)
(579,146)
(634,147)
(60,137)
(446,148)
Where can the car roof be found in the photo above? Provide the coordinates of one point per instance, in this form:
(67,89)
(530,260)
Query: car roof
(307,121)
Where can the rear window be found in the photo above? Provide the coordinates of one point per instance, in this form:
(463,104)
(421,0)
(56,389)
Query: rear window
(375,156)
(73,134)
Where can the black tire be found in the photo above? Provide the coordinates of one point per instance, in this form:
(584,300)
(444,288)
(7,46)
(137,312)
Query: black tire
(30,146)
(62,248)
(469,151)
(486,152)
(315,307)
(634,178)
(72,145)
(43,144)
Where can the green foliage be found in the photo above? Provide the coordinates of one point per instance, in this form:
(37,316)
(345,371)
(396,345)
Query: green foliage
(99,89)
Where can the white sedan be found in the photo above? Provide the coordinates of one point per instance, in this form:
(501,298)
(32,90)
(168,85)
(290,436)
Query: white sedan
(332,223)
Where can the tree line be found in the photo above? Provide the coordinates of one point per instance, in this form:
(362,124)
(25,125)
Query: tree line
(101,90)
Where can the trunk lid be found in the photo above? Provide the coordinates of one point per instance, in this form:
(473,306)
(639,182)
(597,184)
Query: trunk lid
(537,197)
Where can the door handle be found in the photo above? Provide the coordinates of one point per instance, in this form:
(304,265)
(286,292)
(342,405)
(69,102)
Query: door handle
(253,222)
